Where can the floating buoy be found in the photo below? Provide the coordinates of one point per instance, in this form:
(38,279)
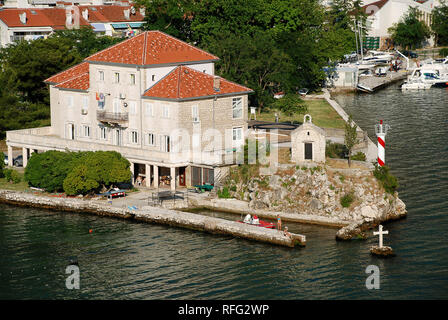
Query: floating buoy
(90,230)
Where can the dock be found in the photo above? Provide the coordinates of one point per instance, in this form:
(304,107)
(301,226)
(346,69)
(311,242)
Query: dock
(374,83)
(155,215)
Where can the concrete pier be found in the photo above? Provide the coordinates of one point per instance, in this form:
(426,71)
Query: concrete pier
(155,215)
(374,83)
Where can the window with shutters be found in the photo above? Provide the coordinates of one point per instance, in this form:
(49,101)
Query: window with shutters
(133,107)
(85,104)
(149,109)
(151,139)
(195,113)
(165,112)
(237,107)
(69,101)
(134,137)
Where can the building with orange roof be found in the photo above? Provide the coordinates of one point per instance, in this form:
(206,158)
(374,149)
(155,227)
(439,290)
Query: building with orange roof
(32,23)
(157,101)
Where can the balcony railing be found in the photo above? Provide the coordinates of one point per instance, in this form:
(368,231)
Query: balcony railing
(112,116)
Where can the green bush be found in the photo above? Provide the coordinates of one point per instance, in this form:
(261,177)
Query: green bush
(15,177)
(347,200)
(2,163)
(224,193)
(388,181)
(12,176)
(443,52)
(76,172)
(79,182)
(360,156)
(336,150)
(48,170)
(7,173)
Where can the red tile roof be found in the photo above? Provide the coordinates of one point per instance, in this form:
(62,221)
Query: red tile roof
(186,83)
(80,82)
(68,74)
(43,17)
(373,7)
(98,14)
(151,47)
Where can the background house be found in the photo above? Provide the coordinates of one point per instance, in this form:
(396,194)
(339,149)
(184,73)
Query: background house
(383,14)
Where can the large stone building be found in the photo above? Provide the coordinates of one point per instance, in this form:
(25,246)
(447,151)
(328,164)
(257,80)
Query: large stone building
(153,98)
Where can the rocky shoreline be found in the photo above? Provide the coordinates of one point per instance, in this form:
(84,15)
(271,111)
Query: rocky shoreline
(349,198)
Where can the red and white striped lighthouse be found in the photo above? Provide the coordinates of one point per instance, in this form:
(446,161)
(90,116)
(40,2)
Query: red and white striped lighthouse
(381,131)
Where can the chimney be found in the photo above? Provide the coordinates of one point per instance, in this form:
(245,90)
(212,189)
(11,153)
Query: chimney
(68,18)
(85,14)
(22,17)
(126,13)
(216,83)
(142,11)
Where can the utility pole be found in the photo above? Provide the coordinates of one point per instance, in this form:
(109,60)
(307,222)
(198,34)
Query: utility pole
(360,38)
(356,39)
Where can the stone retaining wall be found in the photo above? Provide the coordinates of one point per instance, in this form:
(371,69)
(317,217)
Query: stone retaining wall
(155,215)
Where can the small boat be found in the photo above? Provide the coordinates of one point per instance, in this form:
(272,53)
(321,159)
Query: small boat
(303,92)
(415,85)
(254,221)
(364,88)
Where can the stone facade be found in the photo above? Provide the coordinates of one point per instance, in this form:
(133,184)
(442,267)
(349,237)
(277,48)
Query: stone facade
(308,142)
(163,135)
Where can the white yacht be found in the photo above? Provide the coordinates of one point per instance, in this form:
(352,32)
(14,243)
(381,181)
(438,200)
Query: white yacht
(377,57)
(415,85)
(429,76)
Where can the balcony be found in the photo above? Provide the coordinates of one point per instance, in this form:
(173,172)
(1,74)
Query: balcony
(112,117)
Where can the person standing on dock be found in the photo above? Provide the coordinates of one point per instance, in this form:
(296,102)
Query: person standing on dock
(279,223)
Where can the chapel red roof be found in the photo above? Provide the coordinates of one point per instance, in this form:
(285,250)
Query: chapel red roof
(187,83)
(151,47)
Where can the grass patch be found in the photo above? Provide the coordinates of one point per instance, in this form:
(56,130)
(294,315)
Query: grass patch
(387,180)
(322,113)
(22,185)
(347,200)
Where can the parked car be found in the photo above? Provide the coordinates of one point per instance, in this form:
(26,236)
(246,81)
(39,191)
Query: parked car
(410,54)
(6,160)
(18,161)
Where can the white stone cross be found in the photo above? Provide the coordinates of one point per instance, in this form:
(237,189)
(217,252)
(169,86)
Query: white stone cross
(380,233)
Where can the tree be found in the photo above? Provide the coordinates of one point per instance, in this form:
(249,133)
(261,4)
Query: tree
(2,163)
(351,136)
(85,41)
(267,45)
(410,32)
(290,104)
(78,181)
(76,172)
(440,23)
(27,64)
(48,170)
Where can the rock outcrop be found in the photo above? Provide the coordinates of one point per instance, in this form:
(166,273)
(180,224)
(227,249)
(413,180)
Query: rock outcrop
(351,196)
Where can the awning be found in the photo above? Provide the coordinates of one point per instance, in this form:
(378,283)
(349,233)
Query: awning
(125,25)
(98,27)
(119,25)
